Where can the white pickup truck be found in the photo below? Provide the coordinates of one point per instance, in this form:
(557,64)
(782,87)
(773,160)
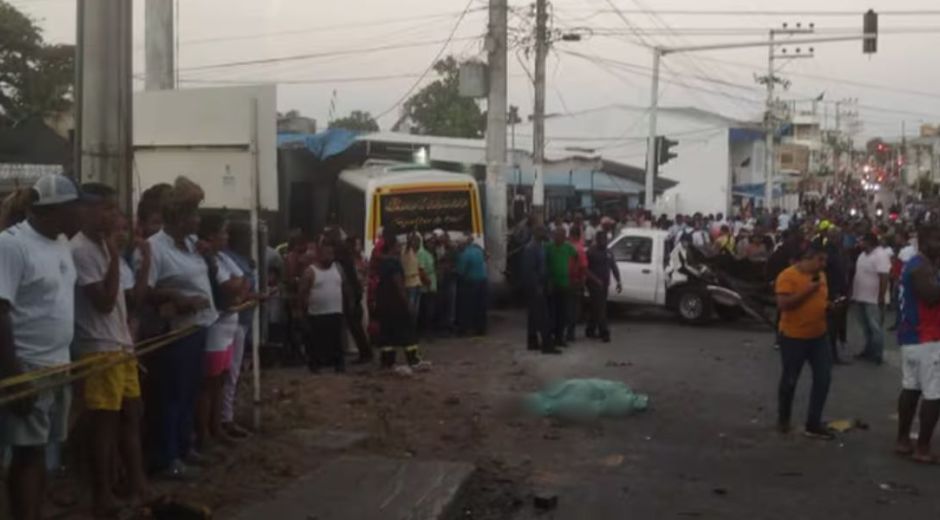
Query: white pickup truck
(649,277)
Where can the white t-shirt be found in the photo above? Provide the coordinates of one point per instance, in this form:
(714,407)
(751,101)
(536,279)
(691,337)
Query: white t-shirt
(867,270)
(700,238)
(184,271)
(37,278)
(96,331)
(589,233)
(222,332)
(907,252)
(128,280)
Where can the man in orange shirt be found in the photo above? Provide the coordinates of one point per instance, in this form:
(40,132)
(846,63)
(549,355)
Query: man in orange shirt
(802,299)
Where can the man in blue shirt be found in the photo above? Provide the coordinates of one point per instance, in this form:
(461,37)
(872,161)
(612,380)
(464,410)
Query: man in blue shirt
(471,289)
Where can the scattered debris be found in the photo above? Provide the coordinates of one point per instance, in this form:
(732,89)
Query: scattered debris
(899,488)
(841,425)
(618,364)
(720,491)
(452,401)
(612,461)
(551,436)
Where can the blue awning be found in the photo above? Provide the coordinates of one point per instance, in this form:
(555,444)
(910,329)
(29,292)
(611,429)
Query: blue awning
(323,145)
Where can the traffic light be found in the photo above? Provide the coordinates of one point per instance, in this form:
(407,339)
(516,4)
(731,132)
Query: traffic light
(870,26)
(663,155)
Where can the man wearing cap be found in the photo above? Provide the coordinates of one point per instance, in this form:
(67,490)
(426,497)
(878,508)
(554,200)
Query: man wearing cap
(37,304)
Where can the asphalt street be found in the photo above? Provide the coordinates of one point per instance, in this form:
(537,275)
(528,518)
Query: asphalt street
(707,448)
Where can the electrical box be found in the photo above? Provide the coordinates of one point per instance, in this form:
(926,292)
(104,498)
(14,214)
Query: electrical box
(474,80)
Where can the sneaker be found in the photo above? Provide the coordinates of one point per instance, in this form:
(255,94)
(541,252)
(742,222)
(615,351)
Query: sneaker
(819,433)
(421,366)
(177,471)
(195,458)
(403,370)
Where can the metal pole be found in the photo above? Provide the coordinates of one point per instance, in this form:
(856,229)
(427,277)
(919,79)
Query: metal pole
(770,130)
(159,46)
(649,196)
(496,201)
(538,114)
(255,253)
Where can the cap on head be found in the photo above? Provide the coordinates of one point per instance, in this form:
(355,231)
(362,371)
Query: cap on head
(53,189)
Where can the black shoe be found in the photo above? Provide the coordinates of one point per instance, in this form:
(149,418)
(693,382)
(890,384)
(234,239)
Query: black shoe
(605,339)
(570,337)
(363,360)
(552,351)
(561,344)
(589,333)
(819,433)
(862,355)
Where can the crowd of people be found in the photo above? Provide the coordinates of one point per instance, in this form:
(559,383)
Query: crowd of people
(79,288)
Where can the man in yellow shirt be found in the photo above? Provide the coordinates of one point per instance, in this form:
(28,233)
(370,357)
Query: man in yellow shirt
(802,299)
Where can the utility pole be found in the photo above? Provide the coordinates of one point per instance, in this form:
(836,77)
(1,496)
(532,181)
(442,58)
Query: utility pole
(496,201)
(651,153)
(770,130)
(104,136)
(160,58)
(538,113)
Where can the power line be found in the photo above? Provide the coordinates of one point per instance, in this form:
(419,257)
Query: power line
(873,86)
(354,79)
(430,67)
(300,57)
(324,28)
(738,12)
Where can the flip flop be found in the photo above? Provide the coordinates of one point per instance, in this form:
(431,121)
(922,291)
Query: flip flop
(930,460)
(904,451)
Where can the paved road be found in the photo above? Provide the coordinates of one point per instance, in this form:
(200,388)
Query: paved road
(707,448)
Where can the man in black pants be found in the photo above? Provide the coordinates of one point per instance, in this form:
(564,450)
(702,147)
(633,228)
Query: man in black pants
(601,264)
(354,312)
(534,276)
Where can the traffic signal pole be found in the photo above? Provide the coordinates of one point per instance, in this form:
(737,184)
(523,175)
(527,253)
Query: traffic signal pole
(651,158)
(660,52)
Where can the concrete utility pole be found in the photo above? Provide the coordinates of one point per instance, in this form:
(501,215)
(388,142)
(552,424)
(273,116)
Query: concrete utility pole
(496,201)
(538,113)
(106,104)
(769,130)
(160,57)
(649,197)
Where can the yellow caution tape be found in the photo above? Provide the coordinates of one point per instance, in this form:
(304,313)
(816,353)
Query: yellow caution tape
(93,365)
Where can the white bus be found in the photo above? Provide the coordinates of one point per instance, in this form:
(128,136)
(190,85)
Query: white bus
(407,197)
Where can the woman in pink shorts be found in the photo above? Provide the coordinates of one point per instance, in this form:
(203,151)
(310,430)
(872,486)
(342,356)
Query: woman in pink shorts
(229,289)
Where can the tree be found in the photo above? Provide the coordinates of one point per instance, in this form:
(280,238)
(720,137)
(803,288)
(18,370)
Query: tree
(357,121)
(438,109)
(36,78)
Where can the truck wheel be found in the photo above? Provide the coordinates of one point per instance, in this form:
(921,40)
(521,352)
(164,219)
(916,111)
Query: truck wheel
(694,306)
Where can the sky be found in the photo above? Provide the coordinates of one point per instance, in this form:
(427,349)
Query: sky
(370,54)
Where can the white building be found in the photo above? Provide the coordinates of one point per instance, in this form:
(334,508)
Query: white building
(715,153)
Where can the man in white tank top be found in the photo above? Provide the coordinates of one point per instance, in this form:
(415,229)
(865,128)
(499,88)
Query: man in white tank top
(323,291)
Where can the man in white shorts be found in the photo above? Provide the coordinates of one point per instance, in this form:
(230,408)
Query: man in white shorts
(37,303)
(919,337)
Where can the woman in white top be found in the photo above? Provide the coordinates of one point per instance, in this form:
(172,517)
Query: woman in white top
(230,287)
(323,291)
(179,286)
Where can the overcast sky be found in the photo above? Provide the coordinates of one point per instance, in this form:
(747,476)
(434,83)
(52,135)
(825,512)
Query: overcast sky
(221,31)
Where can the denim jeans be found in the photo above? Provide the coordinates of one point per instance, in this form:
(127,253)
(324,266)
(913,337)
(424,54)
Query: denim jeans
(869,317)
(794,353)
